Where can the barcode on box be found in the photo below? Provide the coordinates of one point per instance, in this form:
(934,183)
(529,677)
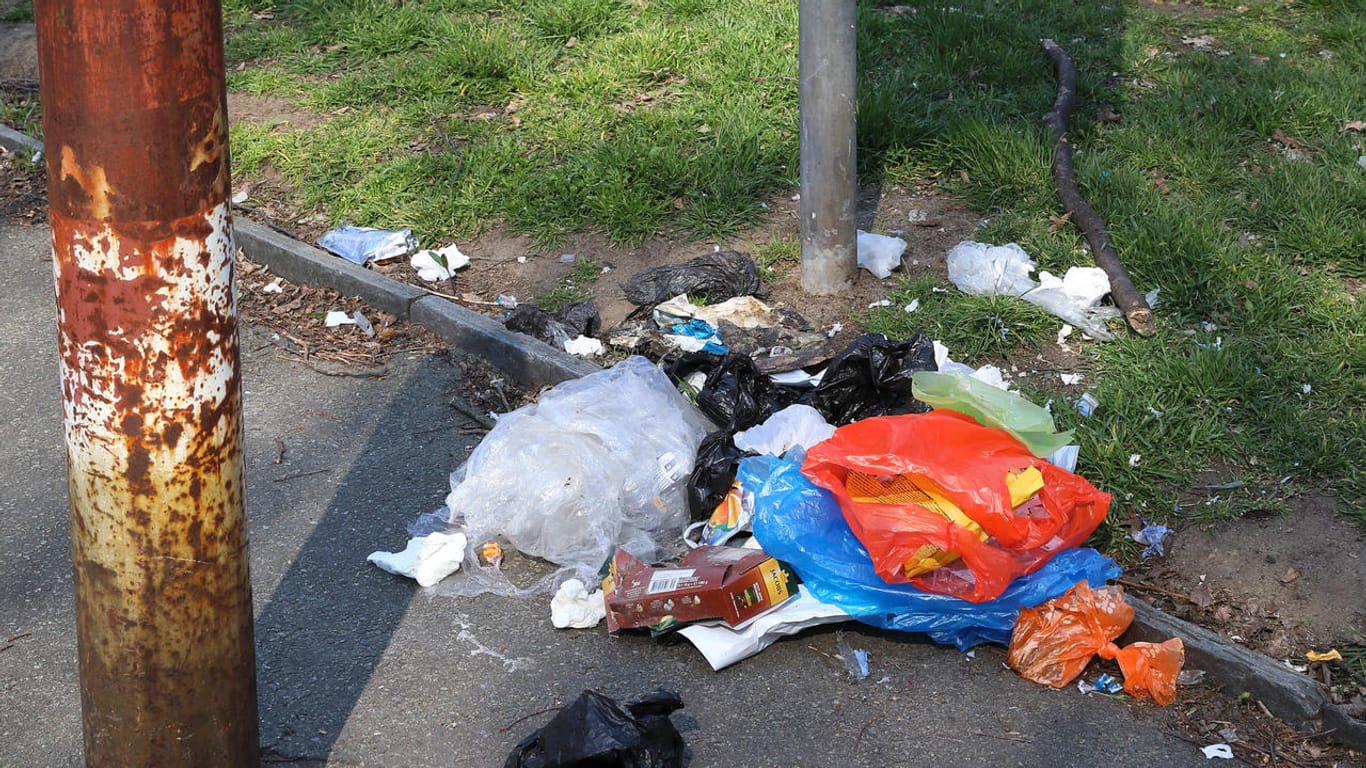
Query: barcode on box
(667,580)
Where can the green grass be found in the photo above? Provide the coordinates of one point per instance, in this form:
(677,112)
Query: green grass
(18,12)
(680,116)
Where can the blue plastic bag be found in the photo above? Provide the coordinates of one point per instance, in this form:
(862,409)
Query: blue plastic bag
(801,525)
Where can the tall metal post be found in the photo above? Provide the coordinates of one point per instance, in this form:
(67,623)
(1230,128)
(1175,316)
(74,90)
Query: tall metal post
(135,122)
(829,180)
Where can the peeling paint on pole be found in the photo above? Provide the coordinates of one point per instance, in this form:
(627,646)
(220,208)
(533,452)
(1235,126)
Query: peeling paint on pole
(134,121)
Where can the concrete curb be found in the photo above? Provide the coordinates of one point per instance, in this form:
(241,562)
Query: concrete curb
(19,143)
(531,362)
(1233,669)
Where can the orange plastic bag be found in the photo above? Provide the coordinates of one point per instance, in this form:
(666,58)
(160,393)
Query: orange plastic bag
(936,498)
(1053,643)
(1149,669)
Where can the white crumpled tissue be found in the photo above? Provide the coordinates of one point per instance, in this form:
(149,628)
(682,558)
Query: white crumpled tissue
(438,265)
(428,559)
(573,606)
(879,254)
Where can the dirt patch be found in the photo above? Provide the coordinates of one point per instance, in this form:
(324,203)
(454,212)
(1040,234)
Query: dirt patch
(18,53)
(276,111)
(1282,585)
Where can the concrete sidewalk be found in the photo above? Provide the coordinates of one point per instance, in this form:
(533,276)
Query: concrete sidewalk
(359,668)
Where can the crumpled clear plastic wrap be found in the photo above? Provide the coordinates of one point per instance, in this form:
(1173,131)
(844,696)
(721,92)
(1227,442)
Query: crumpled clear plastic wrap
(596,463)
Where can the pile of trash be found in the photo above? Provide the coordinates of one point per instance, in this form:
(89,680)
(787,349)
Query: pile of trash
(756,482)
(882,489)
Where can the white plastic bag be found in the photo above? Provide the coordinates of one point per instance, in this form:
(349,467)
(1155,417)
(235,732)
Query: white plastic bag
(990,270)
(1076,299)
(599,462)
(794,425)
(879,254)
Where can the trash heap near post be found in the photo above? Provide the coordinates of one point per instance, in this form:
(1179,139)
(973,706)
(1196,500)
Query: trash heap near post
(882,483)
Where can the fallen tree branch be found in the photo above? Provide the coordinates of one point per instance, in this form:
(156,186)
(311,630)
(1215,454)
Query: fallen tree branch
(1136,310)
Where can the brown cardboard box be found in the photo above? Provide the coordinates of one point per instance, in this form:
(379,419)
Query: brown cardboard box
(726,583)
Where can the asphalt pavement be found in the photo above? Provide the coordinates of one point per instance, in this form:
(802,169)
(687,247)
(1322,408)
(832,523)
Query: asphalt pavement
(359,668)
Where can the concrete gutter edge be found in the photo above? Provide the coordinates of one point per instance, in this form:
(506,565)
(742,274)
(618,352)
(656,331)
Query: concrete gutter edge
(1287,694)
(529,361)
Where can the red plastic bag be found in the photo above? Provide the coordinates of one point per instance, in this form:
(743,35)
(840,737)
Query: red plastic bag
(936,500)
(1053,643)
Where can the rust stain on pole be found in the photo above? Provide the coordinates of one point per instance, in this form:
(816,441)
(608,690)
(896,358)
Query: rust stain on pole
(134,119)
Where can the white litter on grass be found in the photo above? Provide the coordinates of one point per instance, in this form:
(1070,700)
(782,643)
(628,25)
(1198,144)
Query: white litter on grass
(427,559)
(1063,333)
(1156,413)
(438,265)
(1071,379)
(584,346)
(1134,459)
(987,374)
(336,318)
(274,287)
(835,329)
(980,269)
(1220,751)
(1361,161)
(882,303)
(1306,388)
(913,306)
(574,607)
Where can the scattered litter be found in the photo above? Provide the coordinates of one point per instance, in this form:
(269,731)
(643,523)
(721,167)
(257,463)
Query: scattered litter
(732,584)
(1333,655)
(882,303)
(1071,379)
(574,607)
(879,254)
(742,311)
(1156,413)
(855,659)
(427,559)
(598,730)
(872,377)
(506,300)
(521,259)
(1004,270)
(1306,388)
(1063,333)
(723,645)
(438,265)
(584,346)
(696,336)
(1087,404)
(360,245)
(1134,459)
(1106,683)
(1152,536)
(1221,751)
(718,276)
(337,317)
(913,306)
(1191,677)
(835,329)
(1361,161)
(363,323)
(567,258)
(274,287)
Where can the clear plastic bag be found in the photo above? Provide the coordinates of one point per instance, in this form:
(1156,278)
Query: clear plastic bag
(597,463)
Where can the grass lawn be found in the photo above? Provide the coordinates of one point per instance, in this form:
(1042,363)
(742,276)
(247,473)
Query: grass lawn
(1220,139)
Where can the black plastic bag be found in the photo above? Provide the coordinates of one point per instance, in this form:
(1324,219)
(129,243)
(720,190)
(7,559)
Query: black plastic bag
(595,731)
(571,321)
(872,377)
(736,395)
(712,473)
(718,276)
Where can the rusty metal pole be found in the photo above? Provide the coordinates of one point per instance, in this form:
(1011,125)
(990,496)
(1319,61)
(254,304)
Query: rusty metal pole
(829,175)
(134,117)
